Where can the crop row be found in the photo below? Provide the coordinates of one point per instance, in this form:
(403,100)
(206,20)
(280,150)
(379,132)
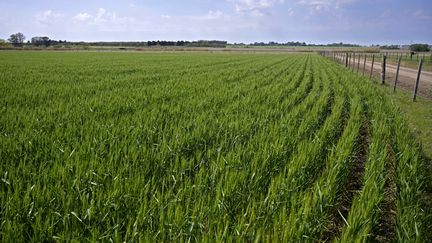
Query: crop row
(201,147)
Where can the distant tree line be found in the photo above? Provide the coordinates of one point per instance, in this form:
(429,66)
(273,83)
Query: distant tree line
(45,41)
(4,44)
(274,43)
(167,43)
(295,43)
(341,44)
(412,47)
(200,43)
(18,40)
(115,43)
(210,43)
(420,47)
(390,47)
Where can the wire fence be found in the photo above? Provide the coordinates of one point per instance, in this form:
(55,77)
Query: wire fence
(402,70)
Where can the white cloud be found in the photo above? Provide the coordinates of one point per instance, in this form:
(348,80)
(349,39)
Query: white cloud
(215,14)
(210,15)
(339,3)
(290,12)
(82,17)
(46,17)
(421,14)
(386,14)
(319,5)
(255,7)
(165,16)
(102,16)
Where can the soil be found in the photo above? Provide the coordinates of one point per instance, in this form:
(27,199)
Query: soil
(406,80)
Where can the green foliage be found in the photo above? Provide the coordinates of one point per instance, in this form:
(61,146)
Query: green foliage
(420,47)
(17,39)
(198,147)
(4,44)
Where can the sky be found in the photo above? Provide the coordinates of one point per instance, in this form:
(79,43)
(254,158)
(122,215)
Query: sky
(364,22)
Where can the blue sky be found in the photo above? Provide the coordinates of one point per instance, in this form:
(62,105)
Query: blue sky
(313,21)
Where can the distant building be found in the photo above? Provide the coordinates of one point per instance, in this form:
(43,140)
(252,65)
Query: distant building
(405,47)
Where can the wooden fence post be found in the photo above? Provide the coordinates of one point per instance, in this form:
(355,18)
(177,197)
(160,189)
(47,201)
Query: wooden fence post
(353,66)
(354,61)
(364,65)
(372,66)
(418,79)
(349,61)
(397,74)
(383,69)
(346,59)
(358,63)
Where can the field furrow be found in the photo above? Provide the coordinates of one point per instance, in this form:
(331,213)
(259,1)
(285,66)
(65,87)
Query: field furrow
(202,147)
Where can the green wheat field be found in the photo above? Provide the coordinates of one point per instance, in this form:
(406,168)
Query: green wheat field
(201,147)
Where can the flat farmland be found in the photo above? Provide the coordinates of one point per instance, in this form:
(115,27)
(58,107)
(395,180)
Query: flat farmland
(130,147)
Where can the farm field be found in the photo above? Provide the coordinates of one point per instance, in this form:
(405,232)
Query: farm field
(203,147)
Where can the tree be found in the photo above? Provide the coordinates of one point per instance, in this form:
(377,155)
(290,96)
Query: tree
(17,39)
(3,44)
(419,47)
(39,41)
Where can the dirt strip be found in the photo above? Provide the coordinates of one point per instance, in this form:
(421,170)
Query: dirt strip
(407,76)
(353,186)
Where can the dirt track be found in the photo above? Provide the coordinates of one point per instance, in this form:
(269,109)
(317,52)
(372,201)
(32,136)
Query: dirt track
(406,79)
